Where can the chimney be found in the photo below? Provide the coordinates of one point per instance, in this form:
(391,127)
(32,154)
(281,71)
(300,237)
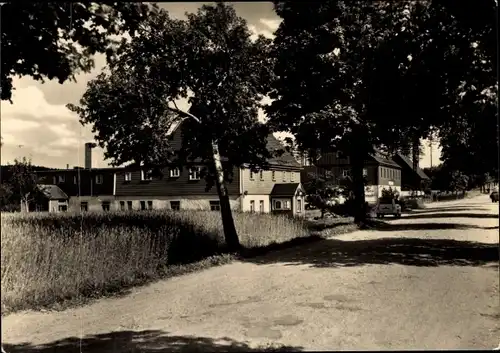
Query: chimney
(88,154)
(67,166)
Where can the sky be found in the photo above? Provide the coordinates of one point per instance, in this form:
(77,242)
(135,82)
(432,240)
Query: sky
(39,126)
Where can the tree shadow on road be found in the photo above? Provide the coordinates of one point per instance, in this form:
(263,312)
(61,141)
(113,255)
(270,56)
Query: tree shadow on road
(451,215)
(452,209)
(142,341)
(392,227)
(386,251)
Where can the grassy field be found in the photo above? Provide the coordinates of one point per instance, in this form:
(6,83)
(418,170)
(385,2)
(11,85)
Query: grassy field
(55,260)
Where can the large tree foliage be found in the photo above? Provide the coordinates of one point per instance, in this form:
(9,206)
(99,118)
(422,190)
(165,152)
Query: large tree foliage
(21,188)
(351,76)
(208,58)
(57,40)
(325,59)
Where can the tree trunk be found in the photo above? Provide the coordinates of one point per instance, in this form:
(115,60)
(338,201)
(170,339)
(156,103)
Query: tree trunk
(230,233)
(358,185)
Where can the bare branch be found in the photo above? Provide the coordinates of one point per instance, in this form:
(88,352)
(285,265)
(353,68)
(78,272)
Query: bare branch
(183,113)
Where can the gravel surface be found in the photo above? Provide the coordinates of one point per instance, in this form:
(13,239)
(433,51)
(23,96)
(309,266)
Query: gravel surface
(426,281)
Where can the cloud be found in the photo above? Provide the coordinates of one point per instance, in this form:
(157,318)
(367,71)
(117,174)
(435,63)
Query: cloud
(272,24)
(30,101)
(48,133)
(259,31)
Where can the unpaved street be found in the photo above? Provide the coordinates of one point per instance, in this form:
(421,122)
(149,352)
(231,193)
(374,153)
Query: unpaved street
(426,281)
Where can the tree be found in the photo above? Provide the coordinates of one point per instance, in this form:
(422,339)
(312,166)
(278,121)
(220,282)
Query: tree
(324,59)
(5,196)
(23,183)
(459,181)
(208,58)
(382,74)
(57,40)
(321,189)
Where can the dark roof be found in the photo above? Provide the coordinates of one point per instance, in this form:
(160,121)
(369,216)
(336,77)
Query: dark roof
(383,160)
(409,163)
(52,192)
(286,159)
(110,169)
(287,189)
(273,144)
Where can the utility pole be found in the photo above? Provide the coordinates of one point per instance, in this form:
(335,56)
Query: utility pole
(430,147)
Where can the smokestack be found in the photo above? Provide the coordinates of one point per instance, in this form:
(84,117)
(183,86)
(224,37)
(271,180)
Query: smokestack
(88,154)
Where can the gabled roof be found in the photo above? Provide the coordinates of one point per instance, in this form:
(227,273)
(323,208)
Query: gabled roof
(273,144)
(386,161)
(286,159)
(409,163)
(376,157)
(286,189)
(52,192)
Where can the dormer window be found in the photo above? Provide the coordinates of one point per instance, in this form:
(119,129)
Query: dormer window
(175,172)
(146,175)
(194,173)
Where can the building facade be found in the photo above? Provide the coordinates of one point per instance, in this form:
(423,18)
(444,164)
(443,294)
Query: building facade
(176,188)
(380,173)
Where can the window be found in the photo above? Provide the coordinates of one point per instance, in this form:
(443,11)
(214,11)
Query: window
(299,206)
(122,205)
(251,175)
(277,205)
(99,179)
(252,206)
(129,206)
(383,172)
(194,173)
(261,174)
(175,205)
(54,180)
(286,205)
(146,175)
(345,173)
(273,174)
(214,206)
(61,178)
(292,176)
(84,206)
(63,208)
(128,176)
(261,206)
(150,205)
(143,205)
(339,155)
(365,172)
(75,180)
(105,205)
(284,176)
(175,173)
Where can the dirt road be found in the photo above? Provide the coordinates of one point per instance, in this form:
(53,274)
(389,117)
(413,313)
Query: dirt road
(426,281)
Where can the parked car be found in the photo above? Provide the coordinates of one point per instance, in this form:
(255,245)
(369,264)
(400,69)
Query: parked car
(494,196)
(388,207)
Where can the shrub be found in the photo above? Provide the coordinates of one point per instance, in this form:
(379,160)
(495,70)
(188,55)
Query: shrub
(52,257)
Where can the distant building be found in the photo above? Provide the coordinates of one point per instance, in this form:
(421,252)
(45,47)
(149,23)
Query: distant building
(411,179)
(380,172)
